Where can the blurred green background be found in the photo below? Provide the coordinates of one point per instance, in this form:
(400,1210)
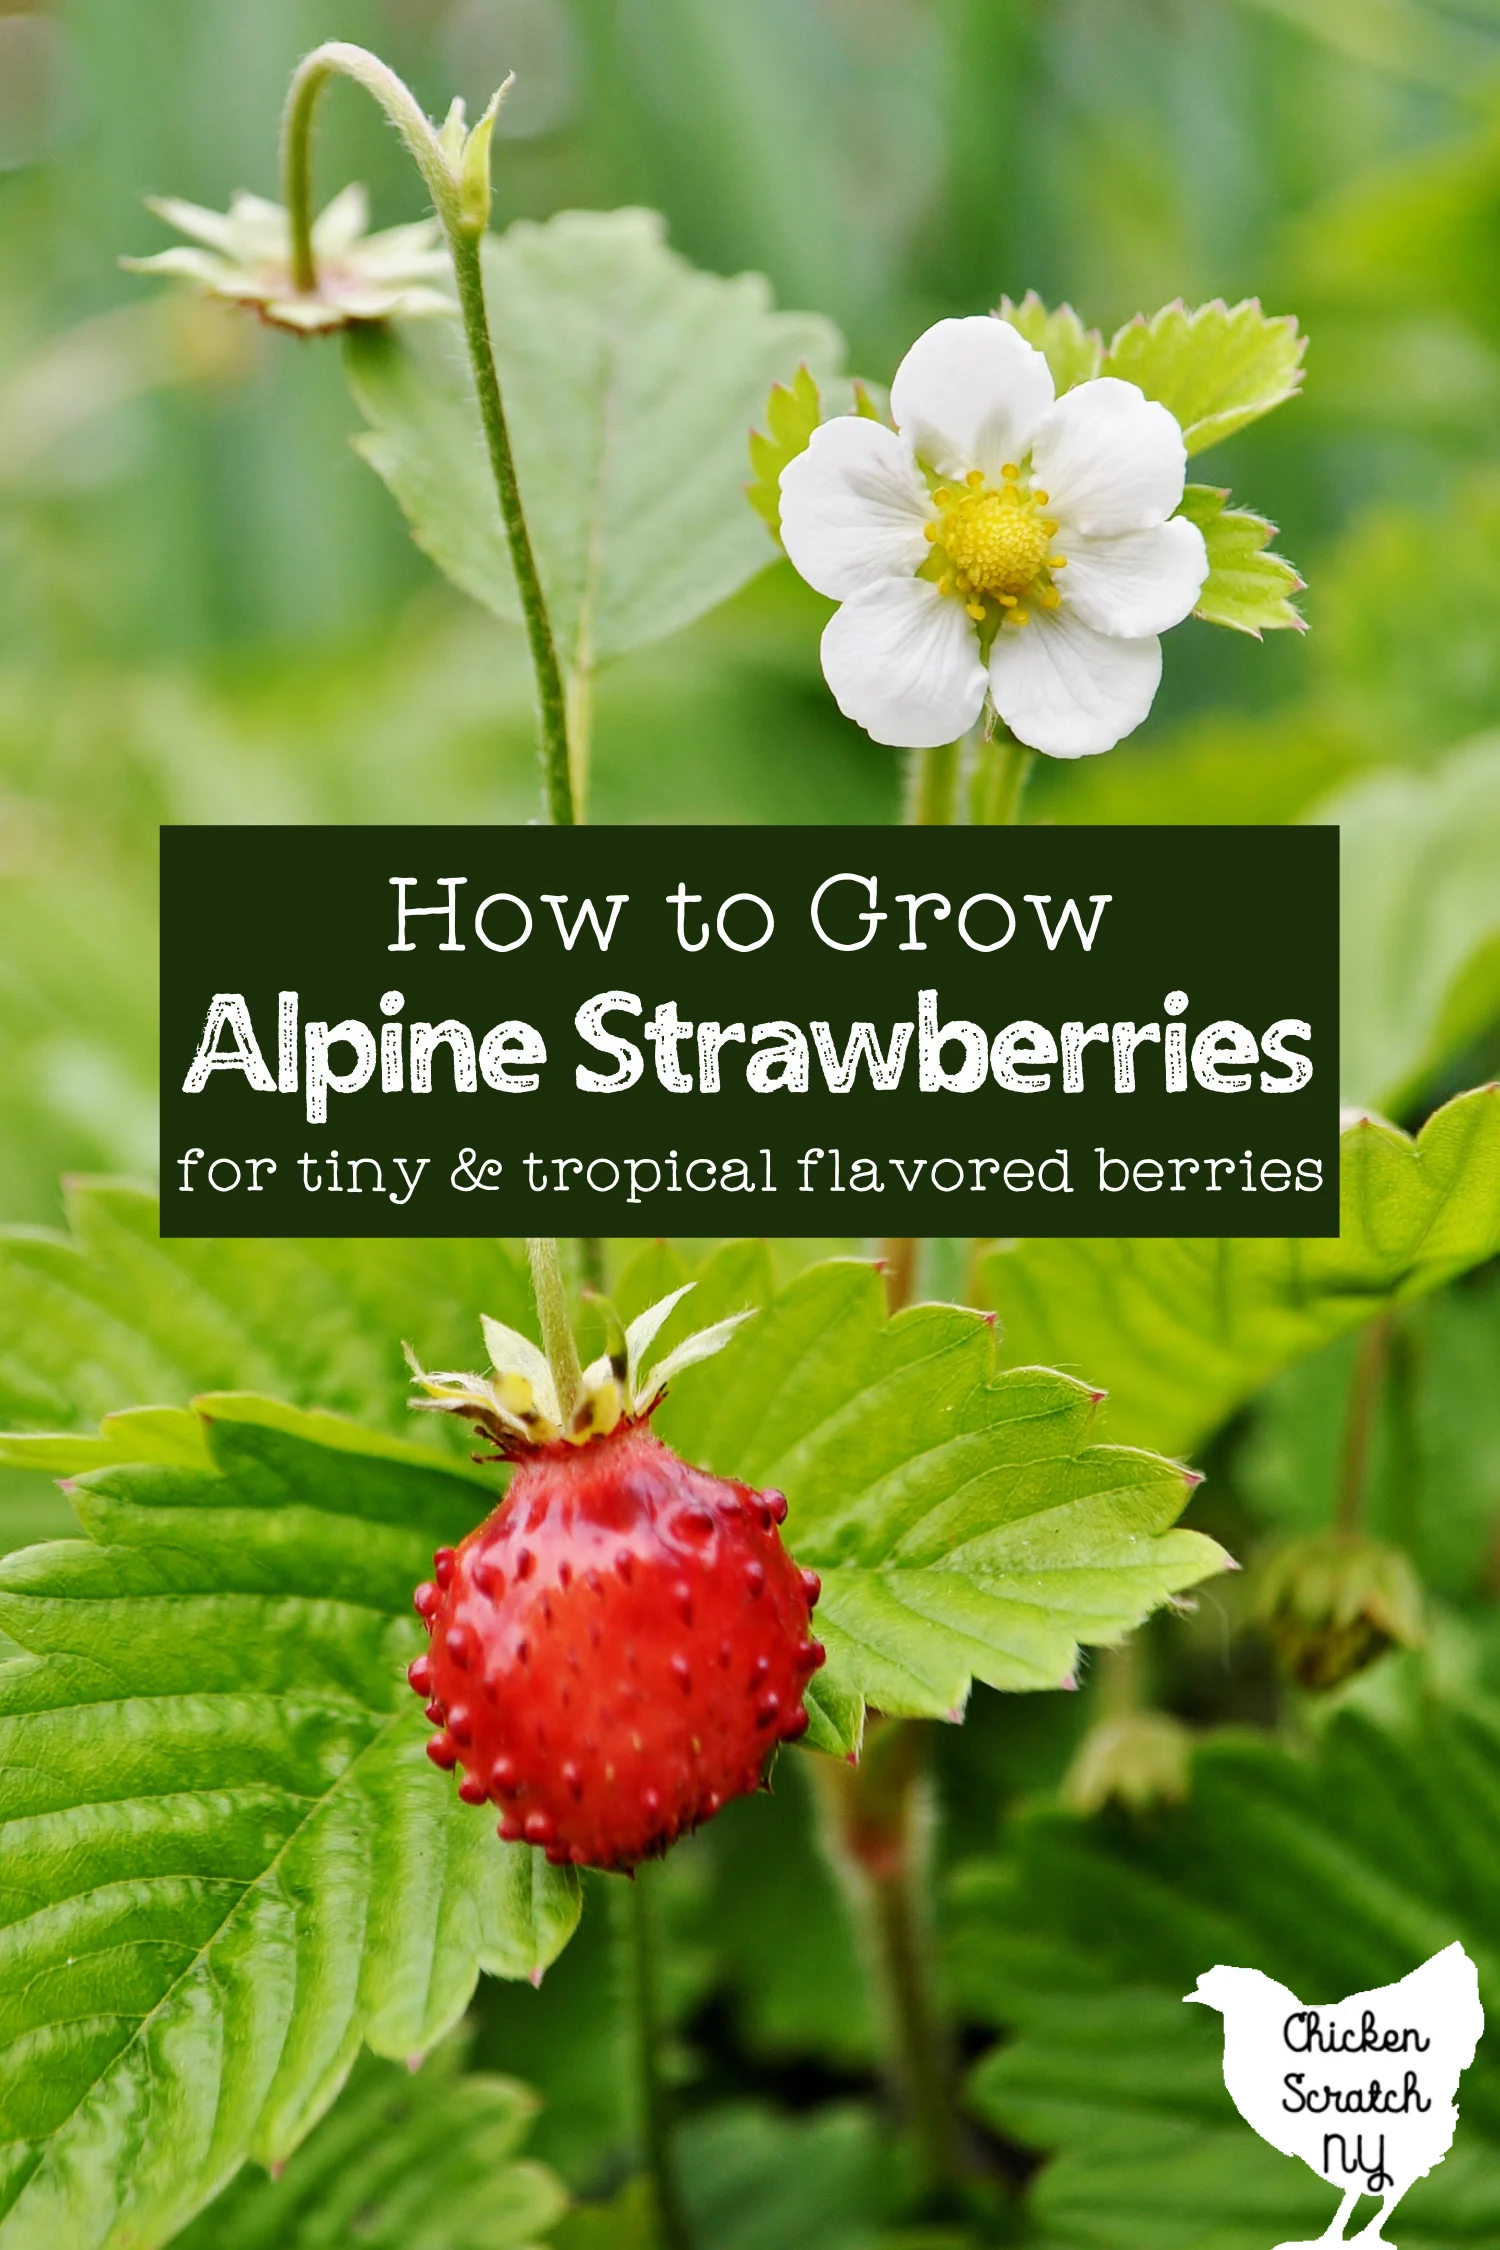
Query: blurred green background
(210,610)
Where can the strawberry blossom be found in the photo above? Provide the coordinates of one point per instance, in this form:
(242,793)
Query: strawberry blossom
(999,540)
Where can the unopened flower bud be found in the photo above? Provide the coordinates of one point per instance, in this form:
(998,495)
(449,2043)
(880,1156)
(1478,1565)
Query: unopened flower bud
(474,191)
(1330,1605)
(1141,1759)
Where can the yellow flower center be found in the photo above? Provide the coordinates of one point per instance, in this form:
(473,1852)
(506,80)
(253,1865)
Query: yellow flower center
(995,542)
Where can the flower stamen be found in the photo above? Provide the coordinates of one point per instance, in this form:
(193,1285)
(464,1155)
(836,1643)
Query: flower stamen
(996,539)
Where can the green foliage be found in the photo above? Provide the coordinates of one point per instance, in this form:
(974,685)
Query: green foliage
(1248,587)
(755,2181)
(113,1315)
(1433,1478)
(630,381)
(1217,367)
(422,2160)
(792,413)
(1182,1332)
(1074,353)
(1420,921)
(1336,1873)
(964,1526)
(1416,679)
(787,1955)
(228,1859)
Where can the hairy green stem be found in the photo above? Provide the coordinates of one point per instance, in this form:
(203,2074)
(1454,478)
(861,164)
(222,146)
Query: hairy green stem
(556,1321)
(932,778)
(551,695)
(1001,771)
(635,1921)
(444,174)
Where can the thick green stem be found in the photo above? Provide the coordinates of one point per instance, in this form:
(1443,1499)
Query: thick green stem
(1001,771)
(444,171)
(556,1321)
(635,1922)
(932,778)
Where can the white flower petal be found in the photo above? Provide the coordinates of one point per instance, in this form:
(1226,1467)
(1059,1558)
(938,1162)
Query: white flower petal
(969,395)
(1066,690)
(342,223)
(1137,582)
(216,228)
(903,663)
(853,508)
(260,231)
(1109,458)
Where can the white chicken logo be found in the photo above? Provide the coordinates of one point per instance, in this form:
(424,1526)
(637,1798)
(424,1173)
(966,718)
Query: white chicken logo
(1362,2091)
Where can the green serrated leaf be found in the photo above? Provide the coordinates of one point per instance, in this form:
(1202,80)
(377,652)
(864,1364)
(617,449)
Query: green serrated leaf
(1419,939)
(792,414)
(423,2160)
(1216,368)
(630,380)
(1180,1333)
(1074,353)
(964,1526)
(228,1860)
(1335,1873)
(1248,588)
(94,1321)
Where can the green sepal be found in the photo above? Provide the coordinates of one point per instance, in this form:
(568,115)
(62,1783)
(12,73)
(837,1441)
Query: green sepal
(793,412)
(1249,587)
(1215,368)
(1074,353)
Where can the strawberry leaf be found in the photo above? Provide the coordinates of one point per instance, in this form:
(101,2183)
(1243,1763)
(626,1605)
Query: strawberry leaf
(1248,588)
(964,1526)
(1420,920)
(228,1860)
(1182,1332)
(1334,1873)
(1216,368)
(630,380)
(1073,352)
(95,1321)
(366,2173)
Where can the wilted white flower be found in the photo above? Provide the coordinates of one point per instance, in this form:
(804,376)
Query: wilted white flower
(999,537)
(246,257)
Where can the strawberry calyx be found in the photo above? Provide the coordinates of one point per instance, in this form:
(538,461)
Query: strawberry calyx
(516,1404)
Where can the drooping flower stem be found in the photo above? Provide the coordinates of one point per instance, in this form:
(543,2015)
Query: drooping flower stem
(556,1322)
(876,1828)
(1002,768)
(635,1925)
(455,168)
(932,779)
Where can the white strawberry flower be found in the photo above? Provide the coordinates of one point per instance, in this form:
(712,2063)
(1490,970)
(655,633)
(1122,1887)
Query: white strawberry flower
(244,255)
(999,538)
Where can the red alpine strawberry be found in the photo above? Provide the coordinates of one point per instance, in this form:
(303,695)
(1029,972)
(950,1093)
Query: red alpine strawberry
(619,1647)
